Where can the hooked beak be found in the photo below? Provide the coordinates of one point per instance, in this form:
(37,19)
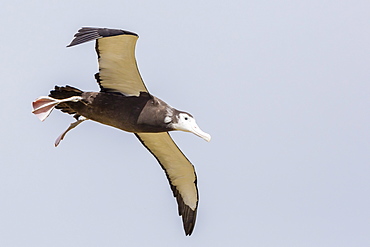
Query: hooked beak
(197,131)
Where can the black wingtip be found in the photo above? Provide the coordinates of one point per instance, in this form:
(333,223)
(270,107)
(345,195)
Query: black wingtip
(188,215)
(86,34)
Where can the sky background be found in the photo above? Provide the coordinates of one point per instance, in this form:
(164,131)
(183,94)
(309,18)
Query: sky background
(282,87)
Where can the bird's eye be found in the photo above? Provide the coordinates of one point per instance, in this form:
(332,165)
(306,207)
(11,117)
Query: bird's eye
(186,118)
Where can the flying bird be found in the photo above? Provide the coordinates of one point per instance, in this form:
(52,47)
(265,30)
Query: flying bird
(125,103)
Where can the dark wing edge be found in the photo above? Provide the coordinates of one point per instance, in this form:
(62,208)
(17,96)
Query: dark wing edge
(86,34)
(188,215)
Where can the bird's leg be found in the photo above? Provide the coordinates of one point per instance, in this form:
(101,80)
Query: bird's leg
(71,126)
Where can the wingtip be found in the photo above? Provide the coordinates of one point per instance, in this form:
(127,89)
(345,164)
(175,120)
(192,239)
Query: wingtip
(86,34)
(188,214)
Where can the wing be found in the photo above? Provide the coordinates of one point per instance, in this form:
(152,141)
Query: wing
(180,173)
(118,71)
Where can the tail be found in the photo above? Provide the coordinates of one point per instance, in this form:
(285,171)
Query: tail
(44,105)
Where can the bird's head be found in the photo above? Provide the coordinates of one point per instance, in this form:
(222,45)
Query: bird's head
(185,122)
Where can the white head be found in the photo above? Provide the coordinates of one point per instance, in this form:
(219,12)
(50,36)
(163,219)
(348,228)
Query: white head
(185,122)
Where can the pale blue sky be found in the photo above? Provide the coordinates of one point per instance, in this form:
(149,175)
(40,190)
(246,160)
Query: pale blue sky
(282,87)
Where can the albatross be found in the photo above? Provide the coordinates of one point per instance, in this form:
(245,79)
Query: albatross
(125,103)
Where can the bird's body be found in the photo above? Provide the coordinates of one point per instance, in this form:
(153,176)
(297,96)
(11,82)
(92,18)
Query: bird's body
(137,114)
(125,103)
